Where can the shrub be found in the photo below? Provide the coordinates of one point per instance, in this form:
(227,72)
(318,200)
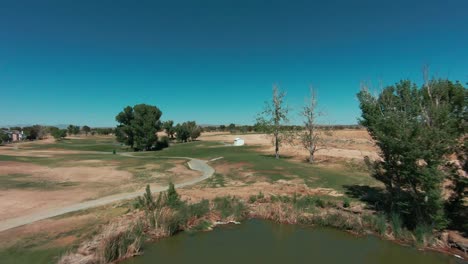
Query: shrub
(305,203)
(173,198)
(162,143)
(252,198)
(172,221)
(346,203)
(203,225)
(320,203)
(119,244)
(397,224)
(199,209)
(381,224)
(423,234)
(229,206)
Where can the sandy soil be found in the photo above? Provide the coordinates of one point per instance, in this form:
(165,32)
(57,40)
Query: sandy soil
(14,203)
(104,174)
(346,144)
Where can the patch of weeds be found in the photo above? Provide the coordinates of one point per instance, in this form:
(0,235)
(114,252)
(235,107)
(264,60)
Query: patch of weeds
(259,197)
(424,235)
(22,181)
(230,206)
(305,203)
(217,181)
(202,226)
(346,202)
(397,224)
(339,220)
(117,245)
(381,224)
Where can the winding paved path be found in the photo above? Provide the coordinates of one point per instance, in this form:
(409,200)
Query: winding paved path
(194,164)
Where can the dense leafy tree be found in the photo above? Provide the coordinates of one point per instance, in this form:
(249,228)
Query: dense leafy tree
(35,132)
(57,133)
(4,137)
(222,127)
(415,128)
(73,130)
(232,127)
(86,129)
(187,131)
(104,131)
(169,128)
(138,126)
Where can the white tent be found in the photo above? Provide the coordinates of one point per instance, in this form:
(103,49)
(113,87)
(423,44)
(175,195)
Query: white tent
(238,142)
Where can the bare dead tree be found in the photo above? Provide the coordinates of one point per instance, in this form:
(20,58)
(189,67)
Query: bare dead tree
(311,135)
(273,117)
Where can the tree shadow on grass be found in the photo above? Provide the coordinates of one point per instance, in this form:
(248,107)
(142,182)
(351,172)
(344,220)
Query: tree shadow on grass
(374,197)
(273,156)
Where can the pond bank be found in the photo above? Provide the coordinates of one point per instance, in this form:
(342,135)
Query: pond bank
(168,215)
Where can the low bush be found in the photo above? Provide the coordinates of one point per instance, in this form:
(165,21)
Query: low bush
(117,245)
(230,206)
(397,224)
(424,235)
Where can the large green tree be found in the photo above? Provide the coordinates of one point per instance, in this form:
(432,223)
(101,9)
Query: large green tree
(415,129)
(4,137)
(57,133)
(35,132)
(187,131)
(138,126)
(86,129)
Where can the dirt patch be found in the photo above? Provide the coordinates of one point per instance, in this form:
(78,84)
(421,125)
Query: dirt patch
(103,174)
(15,203)
(48,228)
(13,167)
(106,174)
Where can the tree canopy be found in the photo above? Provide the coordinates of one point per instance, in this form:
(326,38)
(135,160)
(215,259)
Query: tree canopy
(86,129)
(169,128)
(187,131)
(138,126)
(415,129)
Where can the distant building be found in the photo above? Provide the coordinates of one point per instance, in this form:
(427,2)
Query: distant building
(15,135)
(238,142)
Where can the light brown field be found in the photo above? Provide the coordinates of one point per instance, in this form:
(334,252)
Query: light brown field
(341,144)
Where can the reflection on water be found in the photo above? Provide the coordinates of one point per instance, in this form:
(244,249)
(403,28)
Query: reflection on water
(265,242)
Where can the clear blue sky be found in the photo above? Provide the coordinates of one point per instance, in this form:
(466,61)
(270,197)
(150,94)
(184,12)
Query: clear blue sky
(215,61)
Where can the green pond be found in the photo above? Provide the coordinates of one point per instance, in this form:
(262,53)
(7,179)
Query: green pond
(259,241)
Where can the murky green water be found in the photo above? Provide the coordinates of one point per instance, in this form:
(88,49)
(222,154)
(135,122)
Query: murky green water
(265,242)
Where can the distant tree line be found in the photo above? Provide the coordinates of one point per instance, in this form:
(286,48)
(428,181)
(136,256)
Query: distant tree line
(39,132)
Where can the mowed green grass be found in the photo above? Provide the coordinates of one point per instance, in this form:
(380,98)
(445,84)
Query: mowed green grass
(267,165)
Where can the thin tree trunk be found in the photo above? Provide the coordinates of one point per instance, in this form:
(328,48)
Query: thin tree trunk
(276,147)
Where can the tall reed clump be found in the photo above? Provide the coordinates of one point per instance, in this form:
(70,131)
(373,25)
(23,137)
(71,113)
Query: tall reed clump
(397,224)
(340,220)
(169,212)
(119,243)
(424,235)
(230,207)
